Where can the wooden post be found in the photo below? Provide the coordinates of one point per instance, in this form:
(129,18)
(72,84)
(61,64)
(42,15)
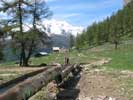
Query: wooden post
(66,60)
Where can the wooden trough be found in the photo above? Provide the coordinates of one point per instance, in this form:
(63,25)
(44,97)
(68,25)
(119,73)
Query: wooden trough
(27,88)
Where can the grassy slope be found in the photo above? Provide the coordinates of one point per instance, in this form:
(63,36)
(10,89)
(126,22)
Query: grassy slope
(121,58)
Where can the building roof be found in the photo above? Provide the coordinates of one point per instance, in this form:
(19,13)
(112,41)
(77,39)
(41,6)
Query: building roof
(56,48)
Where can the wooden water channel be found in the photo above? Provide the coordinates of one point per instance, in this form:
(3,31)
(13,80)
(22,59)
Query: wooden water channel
(26,86)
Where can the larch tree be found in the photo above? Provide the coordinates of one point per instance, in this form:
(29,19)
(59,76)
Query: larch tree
(20,15)
(39,11)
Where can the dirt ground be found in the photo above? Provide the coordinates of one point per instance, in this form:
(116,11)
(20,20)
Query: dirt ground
(97,83)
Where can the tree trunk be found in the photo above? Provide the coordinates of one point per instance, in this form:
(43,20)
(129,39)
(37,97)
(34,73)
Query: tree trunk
(26,63)
(22,55)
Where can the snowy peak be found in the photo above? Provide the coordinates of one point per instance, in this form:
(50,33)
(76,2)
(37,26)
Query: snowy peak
(60,27)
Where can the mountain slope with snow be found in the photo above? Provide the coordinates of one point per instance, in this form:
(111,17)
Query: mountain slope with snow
(60,31)
(59,27)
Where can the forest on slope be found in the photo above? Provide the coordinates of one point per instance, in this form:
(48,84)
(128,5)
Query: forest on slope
(113,29)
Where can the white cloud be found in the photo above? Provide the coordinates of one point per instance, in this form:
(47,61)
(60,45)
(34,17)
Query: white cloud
(66,16)
(71,15)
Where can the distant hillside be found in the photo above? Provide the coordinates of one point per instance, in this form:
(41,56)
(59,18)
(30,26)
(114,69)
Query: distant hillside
(60,40)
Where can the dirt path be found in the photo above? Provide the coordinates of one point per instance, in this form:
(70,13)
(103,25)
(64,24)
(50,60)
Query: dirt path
(98,84)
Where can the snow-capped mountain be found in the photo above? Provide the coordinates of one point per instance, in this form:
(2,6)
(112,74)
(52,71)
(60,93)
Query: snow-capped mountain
(59,27)
(60,31)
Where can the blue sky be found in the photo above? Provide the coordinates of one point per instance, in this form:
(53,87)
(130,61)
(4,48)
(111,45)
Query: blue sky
(83,12)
